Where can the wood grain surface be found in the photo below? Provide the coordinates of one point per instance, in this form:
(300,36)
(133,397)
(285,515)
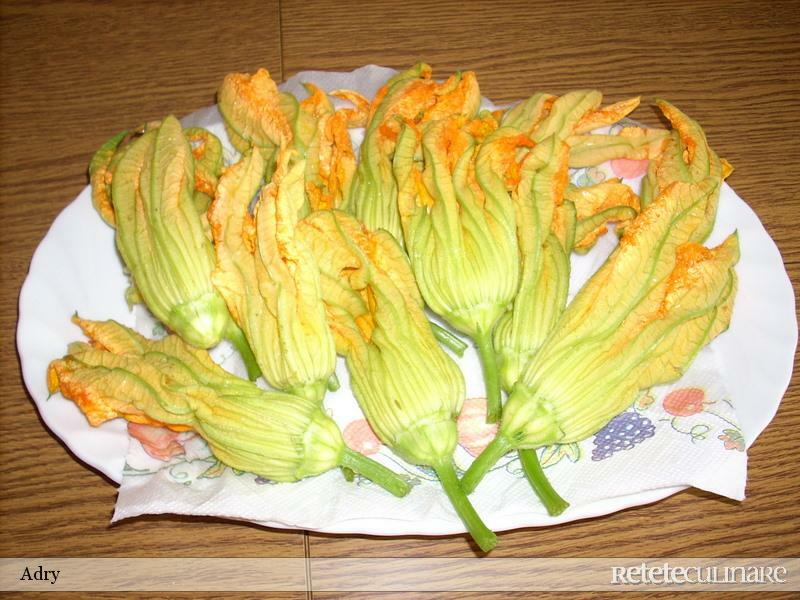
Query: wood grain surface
(73,73)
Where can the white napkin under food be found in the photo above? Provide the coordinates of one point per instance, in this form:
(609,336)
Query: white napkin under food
(677,435)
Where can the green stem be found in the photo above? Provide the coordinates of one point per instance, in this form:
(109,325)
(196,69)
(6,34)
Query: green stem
(237,338)
(448,339)
(498,447)
(312,391)
(483,536)
(333,383)
(491,376)
(554,503)
(386,478)
(348,474)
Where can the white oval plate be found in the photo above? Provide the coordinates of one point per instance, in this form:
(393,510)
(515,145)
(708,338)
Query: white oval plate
(76,268)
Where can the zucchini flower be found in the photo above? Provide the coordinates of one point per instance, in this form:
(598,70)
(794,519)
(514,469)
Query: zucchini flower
(411,96)
(544,279)
(528,114)
(596,206)
(257,114)
(640,319)
(566,114)
(572,116)
(168,383)
(409,390)
(161,239)
(101,172)
(206,149)
(546,232)
(686,157)
(605,115)
(207,152)
(551,223)
(269,277)
(574,113)
(330,159)
(568,118)
(553,219)
(459,225)
(635,143)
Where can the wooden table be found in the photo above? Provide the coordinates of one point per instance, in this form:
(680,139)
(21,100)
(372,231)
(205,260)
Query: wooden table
(74,72)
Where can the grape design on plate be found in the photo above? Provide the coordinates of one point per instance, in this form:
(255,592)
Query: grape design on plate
(622,432)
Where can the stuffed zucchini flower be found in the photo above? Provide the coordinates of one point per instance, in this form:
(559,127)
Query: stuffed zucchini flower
(168,383)
(544,258)
(409,390)
(411,96)
(163,243)
(269,277)
(459,227)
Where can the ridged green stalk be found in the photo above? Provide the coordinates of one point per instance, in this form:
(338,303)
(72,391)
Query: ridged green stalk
(448,339)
